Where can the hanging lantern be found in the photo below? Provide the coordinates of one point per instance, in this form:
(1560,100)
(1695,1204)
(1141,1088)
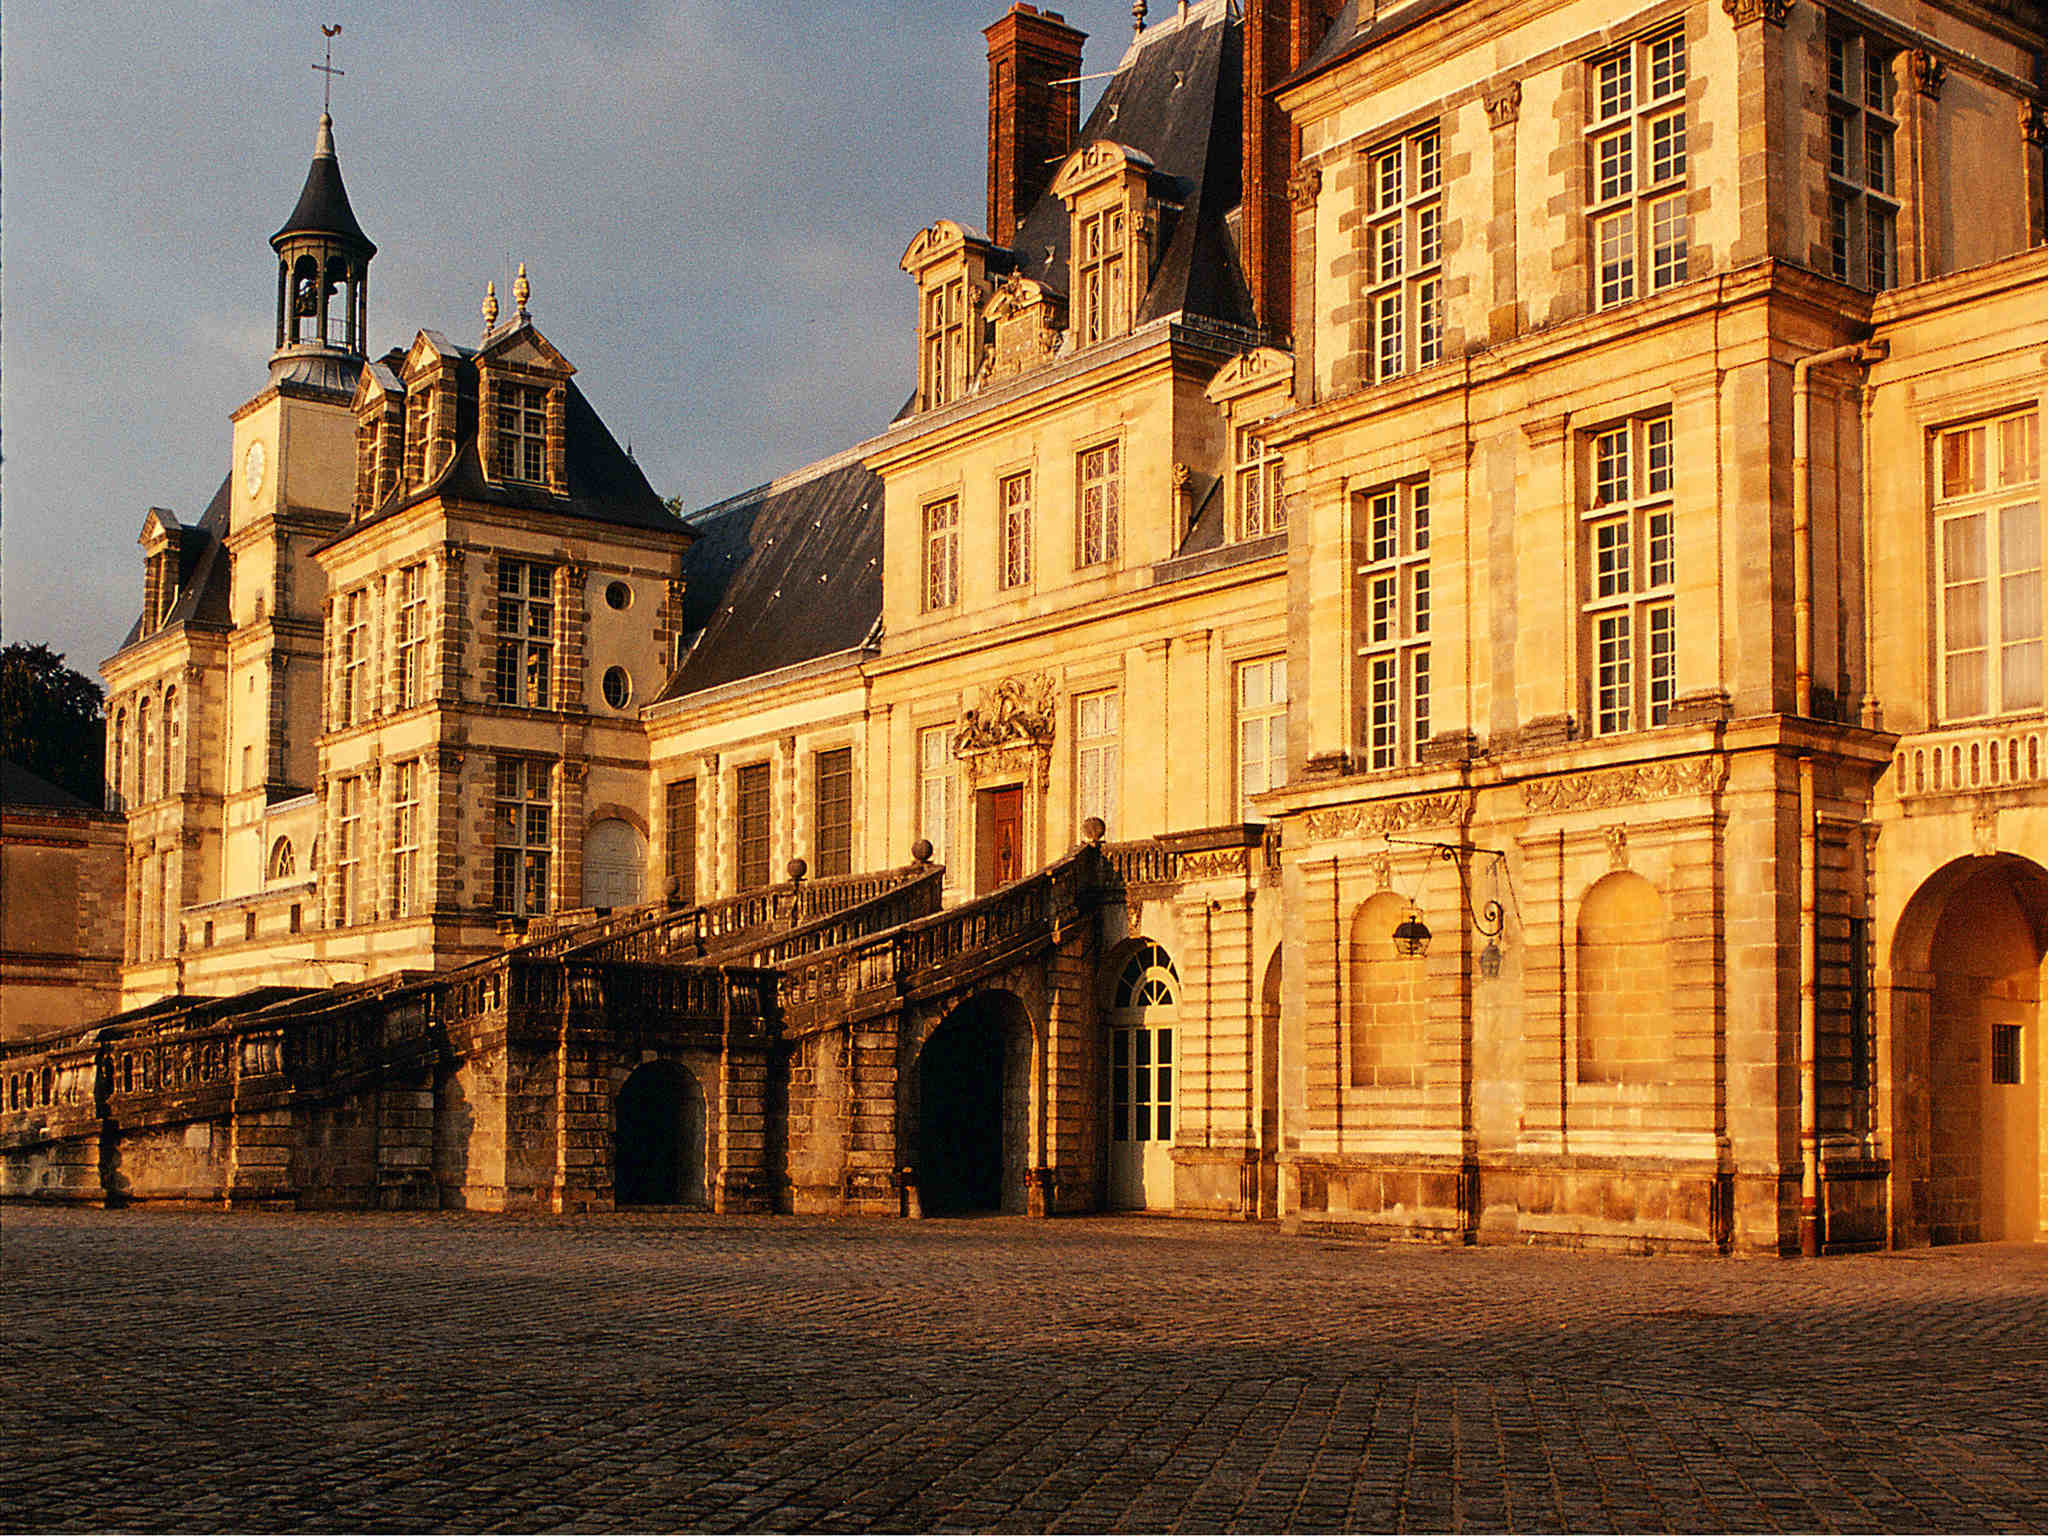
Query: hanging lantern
(1411,935)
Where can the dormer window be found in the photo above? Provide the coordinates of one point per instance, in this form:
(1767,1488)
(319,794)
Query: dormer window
(1104,311)
(522,433)
(945,341)
(951,265)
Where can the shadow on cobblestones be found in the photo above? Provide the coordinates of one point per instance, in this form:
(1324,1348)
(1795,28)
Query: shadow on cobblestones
(187,1371)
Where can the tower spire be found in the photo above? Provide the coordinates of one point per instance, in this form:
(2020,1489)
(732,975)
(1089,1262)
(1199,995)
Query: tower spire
(323,266)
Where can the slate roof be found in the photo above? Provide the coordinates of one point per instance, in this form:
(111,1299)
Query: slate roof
(605,485)
(781,574)
(203,571)
(1350,34)
(1175,97)
(323,207)
(19,787)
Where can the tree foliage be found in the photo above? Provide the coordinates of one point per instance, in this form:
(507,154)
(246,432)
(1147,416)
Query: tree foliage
(52,720)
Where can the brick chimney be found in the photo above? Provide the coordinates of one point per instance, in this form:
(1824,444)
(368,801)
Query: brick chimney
(1033,123)
(1279,36)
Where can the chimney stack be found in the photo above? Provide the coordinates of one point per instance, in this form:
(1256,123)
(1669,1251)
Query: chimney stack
(1279,36)
(1033,123)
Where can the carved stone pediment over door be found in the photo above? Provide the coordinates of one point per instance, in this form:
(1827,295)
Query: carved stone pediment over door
(1009,730)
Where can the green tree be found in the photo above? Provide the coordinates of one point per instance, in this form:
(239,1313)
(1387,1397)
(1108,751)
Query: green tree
(52,720)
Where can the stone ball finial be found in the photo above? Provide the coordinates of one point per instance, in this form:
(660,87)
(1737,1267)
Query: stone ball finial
(797,868)
(921,850)
(1094,829)
(490,306)
(522,290)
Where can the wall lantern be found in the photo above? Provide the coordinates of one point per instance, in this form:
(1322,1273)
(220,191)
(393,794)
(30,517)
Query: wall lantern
(1411,934)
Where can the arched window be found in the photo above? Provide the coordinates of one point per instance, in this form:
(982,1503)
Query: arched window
(150,763)
(282,862)
(1388,998)
(1147,980)
(1626,1032)
(173,778)
(117,764)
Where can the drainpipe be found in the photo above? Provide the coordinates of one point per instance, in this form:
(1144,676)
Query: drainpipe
(1862,353)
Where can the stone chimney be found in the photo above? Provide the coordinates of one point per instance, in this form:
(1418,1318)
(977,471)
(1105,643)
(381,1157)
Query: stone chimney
(1279,36)
(1034,110)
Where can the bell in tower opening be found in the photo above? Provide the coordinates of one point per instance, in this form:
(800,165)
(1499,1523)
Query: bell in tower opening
(323,279)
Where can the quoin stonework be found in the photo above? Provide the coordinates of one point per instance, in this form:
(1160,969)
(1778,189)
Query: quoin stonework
(1450,645)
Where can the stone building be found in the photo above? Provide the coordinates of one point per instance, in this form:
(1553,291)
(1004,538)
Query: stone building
(60,920)
(1449,645)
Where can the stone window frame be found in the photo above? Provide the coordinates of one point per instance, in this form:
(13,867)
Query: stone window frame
(1631,126)
(1394,613)
(523,823)
(352,658)
(1102,286)
(832,819)
(938,794)
(942,339)
(348,851)
(410,634)
(1098,756)
(282,863)
(1403,259)
(523,674)
(1628,584)
(753,821)
(1862,229)
(680,815)
(519,432)
(939,550)
(1258,504)
(2004,472)
(1265,713)
(1015,512)
(1101,543)
(407,800)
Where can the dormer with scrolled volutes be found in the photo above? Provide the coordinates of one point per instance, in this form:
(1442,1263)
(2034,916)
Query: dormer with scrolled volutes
(953,266)
(522,408)
(1117,206)
(379,407)
(431,375)
(1027,319)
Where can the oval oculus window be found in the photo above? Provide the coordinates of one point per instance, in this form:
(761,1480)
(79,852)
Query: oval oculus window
(618,595)
(618,687)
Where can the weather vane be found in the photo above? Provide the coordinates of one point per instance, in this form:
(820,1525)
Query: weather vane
(328,69)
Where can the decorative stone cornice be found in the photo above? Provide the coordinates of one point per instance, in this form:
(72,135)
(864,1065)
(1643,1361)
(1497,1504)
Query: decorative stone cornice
(1744,12)
(1304,186)
(1503,104)
(1602,788)
(1381,817)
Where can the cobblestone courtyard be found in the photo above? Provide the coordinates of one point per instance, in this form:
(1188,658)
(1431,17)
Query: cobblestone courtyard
(201,1371)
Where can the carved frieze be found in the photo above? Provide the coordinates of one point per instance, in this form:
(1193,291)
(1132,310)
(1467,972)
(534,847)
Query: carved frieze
(1213,864)
(1382,817)
(1028,318)
(1604,787)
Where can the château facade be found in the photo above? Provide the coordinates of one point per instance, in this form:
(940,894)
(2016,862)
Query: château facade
(1449,645)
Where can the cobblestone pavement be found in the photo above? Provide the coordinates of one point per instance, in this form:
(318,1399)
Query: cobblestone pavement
(184,1371)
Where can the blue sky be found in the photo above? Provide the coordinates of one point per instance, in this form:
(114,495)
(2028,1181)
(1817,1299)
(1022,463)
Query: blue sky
(710,196)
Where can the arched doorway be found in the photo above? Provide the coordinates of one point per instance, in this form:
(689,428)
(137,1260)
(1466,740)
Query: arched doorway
(1976,933)
(973,1108)
(1143,1007)
(658,1138)
(614,864)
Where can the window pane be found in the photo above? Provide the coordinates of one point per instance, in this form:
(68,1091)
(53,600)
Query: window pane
(1962,462)
(2019,450)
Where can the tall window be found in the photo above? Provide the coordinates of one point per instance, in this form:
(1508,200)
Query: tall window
(117,779)
(1013,493)
(1631,562)
(751,794)
(1100,505)
(405,837)
(522,433)
(935,792)
(1260,507)
(1104,309)
(354,704)
(1394,599)
(1988,530)
(1637,169)
(526,633)
(348,854)
(1405,253)
(1261,729)
(833,844)
(174,747)
(942,554)
(1098,758)
(525,835)
(682,839)
(1863,210)
(150,760)
(945,341)
(412,635)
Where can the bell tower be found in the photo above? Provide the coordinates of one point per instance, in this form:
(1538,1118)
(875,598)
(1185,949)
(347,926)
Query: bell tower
(323,279)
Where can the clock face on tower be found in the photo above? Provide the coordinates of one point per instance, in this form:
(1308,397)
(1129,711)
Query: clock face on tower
(252,468)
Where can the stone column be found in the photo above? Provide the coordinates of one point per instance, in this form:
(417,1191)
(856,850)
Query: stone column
(1503,103)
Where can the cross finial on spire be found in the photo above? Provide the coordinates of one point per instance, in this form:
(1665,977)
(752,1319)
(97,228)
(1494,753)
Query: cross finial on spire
(328,69)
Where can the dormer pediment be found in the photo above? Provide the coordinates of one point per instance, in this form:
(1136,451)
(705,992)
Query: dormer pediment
(942,239)
(1093,164)
(377,384)
(160,527)
(429,350)
(1250,372)
(521,346)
